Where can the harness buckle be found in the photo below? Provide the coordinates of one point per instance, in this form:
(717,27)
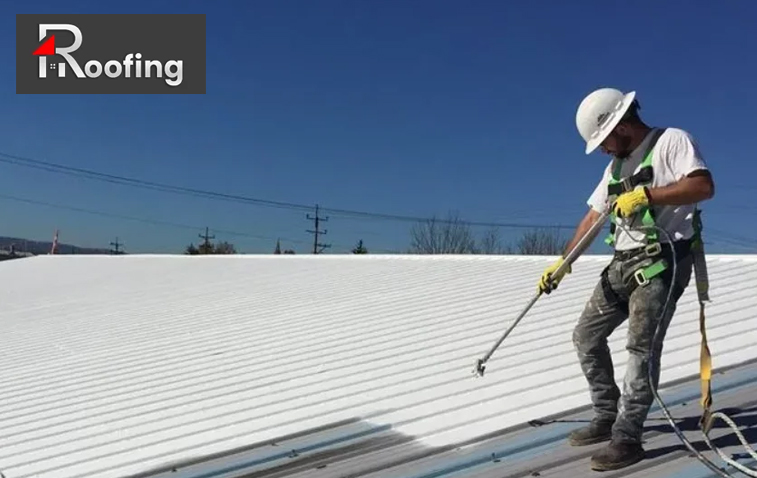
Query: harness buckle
(653,249)
(626,182)
(640,277)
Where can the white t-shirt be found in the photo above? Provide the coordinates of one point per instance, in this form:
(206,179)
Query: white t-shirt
(675,155)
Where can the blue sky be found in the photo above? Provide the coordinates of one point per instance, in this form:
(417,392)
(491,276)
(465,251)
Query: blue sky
(472,102)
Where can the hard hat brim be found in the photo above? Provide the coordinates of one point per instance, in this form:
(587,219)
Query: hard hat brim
(607,128)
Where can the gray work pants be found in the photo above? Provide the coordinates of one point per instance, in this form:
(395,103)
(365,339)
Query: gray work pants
(609,306)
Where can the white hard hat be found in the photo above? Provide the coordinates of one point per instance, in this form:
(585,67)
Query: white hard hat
(599,113)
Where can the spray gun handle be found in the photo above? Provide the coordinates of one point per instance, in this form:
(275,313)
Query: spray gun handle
(580,246)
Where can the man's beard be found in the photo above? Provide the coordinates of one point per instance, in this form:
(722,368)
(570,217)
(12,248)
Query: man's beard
(624,149)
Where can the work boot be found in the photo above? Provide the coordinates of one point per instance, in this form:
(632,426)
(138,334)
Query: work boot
(617,455)
(596,432)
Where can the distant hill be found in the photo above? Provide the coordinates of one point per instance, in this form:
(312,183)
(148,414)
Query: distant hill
(42,247)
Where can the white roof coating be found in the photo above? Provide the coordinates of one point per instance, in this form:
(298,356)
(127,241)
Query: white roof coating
(121,365)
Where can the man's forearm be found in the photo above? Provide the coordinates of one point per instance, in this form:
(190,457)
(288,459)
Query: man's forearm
(689,190)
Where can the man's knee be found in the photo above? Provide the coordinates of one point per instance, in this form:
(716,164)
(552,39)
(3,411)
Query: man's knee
(587,337)
(651,312)
(579,338)
(648,310)
(601,315)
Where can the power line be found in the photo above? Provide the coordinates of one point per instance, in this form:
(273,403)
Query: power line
(139,219)
(90,174)
(317,246)
(127,181)
(717,234)
(154,222)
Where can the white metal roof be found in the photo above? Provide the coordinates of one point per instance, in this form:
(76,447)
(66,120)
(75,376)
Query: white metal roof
(119,365)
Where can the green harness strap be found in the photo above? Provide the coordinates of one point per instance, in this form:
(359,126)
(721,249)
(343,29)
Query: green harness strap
(642,178)
(647,214)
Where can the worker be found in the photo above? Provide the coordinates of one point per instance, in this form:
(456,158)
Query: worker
(656,176)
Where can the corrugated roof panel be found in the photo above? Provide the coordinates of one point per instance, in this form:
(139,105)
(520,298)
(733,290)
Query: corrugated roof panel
(123,365)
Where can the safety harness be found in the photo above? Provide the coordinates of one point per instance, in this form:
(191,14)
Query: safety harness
(617,186)
(643,177)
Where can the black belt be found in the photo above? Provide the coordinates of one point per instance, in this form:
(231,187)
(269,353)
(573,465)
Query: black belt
(682,248)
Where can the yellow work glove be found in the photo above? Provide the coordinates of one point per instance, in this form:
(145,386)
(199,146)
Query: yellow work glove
(629,203)
(549,280)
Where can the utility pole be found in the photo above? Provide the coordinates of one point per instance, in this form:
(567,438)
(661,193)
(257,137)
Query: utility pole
(206,238)
(116,245)
(317,218)
(54,248)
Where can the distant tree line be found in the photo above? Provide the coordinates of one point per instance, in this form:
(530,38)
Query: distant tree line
(437,236)
(454,236)
(210,248)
